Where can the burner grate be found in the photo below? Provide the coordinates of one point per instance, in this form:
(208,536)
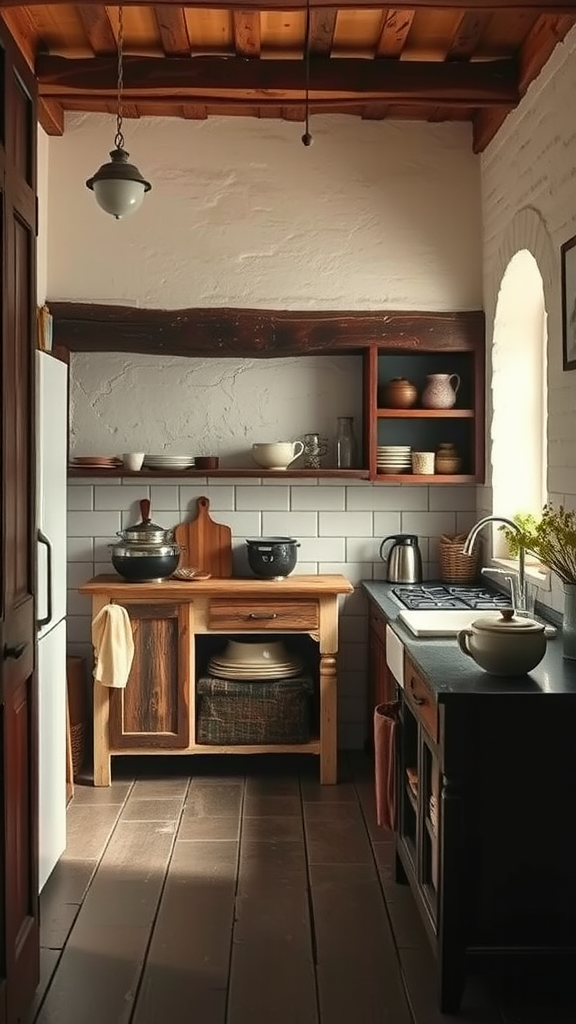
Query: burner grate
(422,597)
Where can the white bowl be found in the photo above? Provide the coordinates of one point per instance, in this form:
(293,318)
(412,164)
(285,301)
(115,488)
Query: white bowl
(254,652)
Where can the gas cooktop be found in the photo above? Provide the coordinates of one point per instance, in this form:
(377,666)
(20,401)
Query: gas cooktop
(420,596)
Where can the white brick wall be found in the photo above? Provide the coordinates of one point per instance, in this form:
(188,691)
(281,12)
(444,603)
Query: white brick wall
(346,541)
(529,201)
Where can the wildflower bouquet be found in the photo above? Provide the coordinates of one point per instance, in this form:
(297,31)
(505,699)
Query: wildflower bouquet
(552,538)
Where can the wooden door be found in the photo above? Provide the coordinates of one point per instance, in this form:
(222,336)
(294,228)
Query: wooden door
(154,709)
(19,936)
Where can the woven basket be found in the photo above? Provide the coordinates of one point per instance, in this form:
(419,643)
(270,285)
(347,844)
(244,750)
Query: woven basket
(78,747)
(455,566)
(261,712)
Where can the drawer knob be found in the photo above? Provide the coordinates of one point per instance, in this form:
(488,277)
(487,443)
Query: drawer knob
(262,615)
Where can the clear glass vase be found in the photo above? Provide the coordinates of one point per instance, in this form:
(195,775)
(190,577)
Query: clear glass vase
(569,622)
(345,442)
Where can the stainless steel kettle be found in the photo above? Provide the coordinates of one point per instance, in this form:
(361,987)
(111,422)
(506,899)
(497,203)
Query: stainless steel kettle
(404,560)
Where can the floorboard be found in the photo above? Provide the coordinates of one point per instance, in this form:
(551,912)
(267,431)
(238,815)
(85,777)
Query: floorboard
(241,891)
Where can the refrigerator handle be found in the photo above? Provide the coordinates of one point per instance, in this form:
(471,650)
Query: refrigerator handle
(43,539)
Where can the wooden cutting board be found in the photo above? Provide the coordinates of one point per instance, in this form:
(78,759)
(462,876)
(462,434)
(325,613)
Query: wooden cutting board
(206,545)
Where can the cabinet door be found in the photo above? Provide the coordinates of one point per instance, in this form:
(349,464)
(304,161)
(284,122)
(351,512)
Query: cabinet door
(154,708)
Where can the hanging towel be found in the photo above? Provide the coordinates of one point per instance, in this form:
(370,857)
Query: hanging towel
(113,645)
(385,727)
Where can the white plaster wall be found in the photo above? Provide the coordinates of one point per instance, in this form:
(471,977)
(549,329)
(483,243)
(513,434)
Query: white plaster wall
(529,201)
(373,216)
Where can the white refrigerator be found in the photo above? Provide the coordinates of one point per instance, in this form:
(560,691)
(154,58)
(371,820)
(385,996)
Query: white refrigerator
(51,484)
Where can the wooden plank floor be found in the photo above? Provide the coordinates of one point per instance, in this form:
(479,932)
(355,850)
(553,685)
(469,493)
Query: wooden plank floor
(240,891)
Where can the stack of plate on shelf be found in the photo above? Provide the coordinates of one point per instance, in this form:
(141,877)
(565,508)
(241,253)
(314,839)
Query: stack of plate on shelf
(169,461)
(94,462)
(255,661)
(393,458)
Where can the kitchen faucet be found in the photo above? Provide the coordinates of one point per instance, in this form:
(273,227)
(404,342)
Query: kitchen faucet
(518,591)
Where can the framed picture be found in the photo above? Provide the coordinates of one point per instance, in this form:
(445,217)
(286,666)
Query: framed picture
(568,261)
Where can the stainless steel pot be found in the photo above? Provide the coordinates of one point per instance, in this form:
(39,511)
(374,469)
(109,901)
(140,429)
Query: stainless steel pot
(146,532)
(145,563)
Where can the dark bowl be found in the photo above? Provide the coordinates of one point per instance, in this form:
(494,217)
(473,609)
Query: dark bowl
(272,557)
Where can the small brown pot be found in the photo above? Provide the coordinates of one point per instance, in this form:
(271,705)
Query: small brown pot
(398,393)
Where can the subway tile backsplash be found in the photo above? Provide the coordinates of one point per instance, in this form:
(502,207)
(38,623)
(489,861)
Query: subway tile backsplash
(339,527)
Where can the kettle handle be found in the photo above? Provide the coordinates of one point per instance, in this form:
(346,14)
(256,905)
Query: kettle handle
(392,536)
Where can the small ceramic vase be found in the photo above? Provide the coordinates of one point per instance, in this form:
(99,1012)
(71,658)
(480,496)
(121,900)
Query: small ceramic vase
(447,460)
(440,391)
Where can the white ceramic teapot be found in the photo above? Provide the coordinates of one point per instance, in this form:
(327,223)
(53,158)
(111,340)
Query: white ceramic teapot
(507,645)
(276,454)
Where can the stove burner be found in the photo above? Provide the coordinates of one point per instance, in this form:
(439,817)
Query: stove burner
(423,597)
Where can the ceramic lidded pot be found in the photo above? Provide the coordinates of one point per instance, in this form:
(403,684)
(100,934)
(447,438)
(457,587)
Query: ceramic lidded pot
(507,645)
(447,459)
(398,393)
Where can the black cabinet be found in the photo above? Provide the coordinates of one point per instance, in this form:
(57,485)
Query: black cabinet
(485,833)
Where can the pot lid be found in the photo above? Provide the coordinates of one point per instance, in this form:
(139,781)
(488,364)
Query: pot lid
(146,526)
(508,622)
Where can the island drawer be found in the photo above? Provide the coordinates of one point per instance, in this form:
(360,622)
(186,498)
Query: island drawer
(421,699)
(261,615)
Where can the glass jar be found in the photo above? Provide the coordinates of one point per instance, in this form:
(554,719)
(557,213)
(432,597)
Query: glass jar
(345,442)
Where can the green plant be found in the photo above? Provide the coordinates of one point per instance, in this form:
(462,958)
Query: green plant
(552,538)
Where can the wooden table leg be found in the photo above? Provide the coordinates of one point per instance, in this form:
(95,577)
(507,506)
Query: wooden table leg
(328,720)
(102,760)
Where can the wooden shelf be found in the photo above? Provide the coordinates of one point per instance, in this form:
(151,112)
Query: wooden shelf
(428,478)
(426,414)
(230,471)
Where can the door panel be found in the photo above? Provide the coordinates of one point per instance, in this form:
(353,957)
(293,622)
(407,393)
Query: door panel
(19,940)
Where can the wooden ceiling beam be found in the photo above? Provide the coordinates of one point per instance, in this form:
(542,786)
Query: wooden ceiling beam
(322,25)
(98,29)
(542,6)
(186,79)
(537,48)
(50,116)
(396,26)
(173,31)
(247,33)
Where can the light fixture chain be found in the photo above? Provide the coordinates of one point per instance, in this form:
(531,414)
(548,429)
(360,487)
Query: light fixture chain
(119,140)
(307,138)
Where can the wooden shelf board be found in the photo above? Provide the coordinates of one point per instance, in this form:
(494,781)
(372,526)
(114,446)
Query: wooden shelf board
(429,478)
(311,747)
(158,474)
(425,414)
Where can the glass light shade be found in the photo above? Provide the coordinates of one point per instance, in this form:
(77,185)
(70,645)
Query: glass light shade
(118,186)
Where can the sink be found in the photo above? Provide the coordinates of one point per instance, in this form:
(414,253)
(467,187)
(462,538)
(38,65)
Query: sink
(449,621)
(442,621)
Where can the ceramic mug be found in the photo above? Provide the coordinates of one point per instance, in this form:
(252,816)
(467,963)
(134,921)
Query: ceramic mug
(133,461)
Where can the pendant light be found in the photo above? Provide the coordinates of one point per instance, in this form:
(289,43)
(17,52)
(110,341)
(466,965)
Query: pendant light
(118,186)
(307,139)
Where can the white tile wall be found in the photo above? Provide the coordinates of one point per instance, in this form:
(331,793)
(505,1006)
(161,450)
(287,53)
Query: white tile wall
(339,528)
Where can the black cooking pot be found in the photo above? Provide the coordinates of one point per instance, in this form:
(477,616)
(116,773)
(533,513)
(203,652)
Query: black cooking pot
(272,557)
(145,563)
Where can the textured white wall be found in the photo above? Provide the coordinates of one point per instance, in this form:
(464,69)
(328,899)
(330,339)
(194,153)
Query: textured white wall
(372,216)
(529,201)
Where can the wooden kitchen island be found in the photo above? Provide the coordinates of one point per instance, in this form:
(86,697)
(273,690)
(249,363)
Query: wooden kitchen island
(156,712)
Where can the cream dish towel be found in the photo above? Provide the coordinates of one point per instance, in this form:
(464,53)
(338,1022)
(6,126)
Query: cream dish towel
(113,645)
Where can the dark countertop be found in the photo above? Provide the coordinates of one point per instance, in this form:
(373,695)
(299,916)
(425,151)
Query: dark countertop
(451,673)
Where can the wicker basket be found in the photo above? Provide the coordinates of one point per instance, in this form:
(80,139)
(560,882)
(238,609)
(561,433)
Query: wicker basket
(78,747)
(233,712)
(455,566)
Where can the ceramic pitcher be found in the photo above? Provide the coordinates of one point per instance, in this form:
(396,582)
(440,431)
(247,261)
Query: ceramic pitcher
(440,391)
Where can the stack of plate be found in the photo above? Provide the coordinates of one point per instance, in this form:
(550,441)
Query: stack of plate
(393,458)
(94,462)
(255,661)
(169,461)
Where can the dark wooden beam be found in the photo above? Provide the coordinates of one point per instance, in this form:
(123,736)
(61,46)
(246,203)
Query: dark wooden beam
(260,333)
(50,116)
(545,6)
(537,48)
(396,26)
(482,83)
(467,35)
(322,25)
